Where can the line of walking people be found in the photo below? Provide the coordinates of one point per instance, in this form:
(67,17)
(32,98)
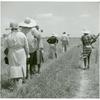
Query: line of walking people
(24,50)
(23,47)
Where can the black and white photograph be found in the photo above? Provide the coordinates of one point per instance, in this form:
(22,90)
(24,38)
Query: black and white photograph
(49,49)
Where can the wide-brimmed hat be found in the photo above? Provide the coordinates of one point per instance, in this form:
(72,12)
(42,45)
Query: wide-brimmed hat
(85,31)
(12,25)
(54,34)
(28,22)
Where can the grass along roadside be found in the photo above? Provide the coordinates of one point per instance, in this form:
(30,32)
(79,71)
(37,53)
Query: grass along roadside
(58,80)
(89,80)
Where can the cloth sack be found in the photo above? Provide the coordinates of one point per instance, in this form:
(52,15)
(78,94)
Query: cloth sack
(6,58)
(89,47)
(52,40)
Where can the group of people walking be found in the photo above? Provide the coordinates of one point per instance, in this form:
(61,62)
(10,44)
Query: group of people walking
(53,41)
(24,49)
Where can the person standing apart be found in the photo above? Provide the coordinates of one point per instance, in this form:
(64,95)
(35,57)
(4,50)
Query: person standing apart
(65,42)
(53,41)
(18,51)
(87,42)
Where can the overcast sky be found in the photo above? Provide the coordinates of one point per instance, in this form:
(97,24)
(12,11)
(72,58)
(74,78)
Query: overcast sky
(54,16)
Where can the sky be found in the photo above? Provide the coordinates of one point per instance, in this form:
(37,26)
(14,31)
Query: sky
(57,17)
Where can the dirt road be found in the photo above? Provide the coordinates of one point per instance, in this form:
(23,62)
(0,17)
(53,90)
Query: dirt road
(89,82)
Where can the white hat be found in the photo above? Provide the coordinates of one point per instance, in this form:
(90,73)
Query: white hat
(54,34)
(85,31)
(28,22)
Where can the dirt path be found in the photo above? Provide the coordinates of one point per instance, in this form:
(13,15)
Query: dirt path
(84,85)
(88,84)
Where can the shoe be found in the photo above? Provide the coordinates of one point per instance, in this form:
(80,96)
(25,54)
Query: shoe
(84,68)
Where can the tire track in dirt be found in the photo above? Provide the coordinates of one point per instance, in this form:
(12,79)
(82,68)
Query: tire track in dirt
(84,85)
(88,83)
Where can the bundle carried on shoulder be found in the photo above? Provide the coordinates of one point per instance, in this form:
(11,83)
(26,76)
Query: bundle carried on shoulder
(52,40)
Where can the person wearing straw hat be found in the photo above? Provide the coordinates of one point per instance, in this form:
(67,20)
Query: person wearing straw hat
(87,41)
(65,42)
(53,41)
(18,50)
(28,27)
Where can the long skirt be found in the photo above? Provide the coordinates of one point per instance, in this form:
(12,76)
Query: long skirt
(17,62)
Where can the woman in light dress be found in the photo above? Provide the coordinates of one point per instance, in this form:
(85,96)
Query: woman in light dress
(18,51)
(28,27)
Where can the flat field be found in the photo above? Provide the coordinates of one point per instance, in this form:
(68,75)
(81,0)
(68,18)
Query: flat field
(59,78)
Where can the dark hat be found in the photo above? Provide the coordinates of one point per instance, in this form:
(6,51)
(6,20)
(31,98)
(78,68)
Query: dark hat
(64,32)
